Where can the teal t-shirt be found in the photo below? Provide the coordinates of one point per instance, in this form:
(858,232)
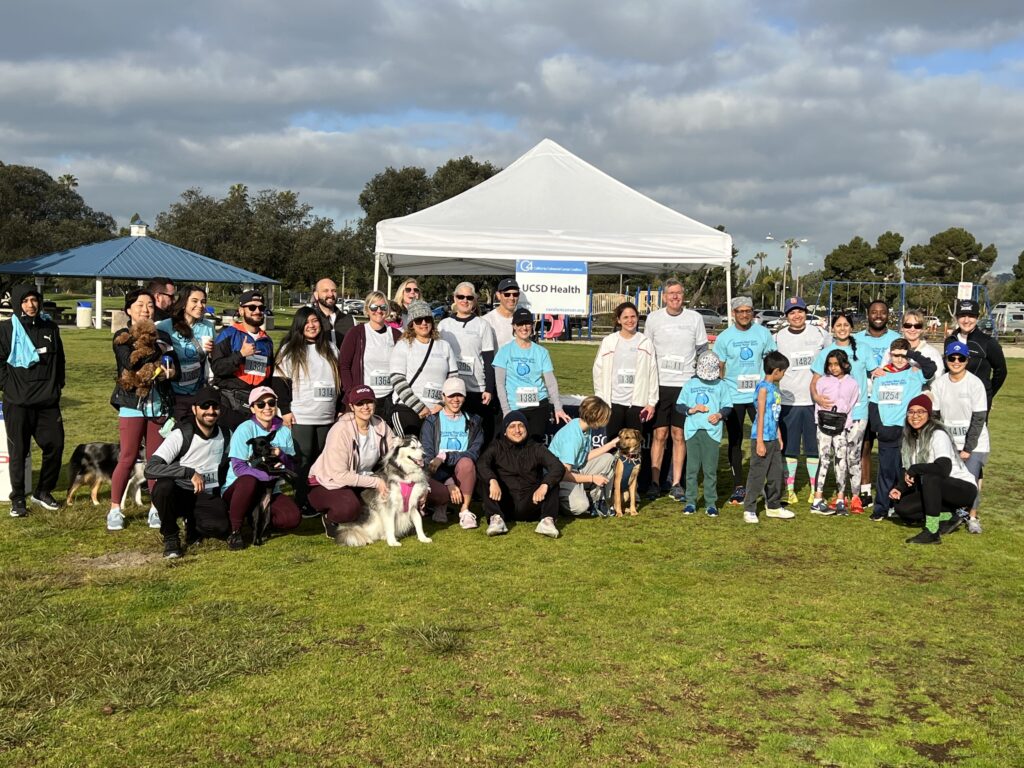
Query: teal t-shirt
(240,448)
(571,444)
(859,371)
(454,434)
(877,346)
(772,409)
(524,373)
(191,357)
(715,395)
(893,392)
(743,354)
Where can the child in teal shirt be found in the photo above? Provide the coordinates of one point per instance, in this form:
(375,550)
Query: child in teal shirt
(706,400)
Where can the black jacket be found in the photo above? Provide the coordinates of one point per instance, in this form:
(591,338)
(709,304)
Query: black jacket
(343,323)
(39,384)
(521,467)
(123,352)
(986,361)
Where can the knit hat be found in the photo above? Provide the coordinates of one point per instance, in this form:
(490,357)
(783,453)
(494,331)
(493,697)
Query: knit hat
(512,417)
(741,301)
(418,309)
(921,401)
(708,366)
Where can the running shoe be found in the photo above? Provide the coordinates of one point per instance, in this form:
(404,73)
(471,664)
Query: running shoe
(172,546)
(235,542)
(45,500)
(974,525)
(840,508)
(750,517)
(330,529)
(738,495)
(18,508)
(879,515)
(712,511)
(154,517)
(115,520)
(440,514)
(689,509)
(810,495)
(780,514)
(677,492)
(819,507)
(856,506)
(496,526)
(925,537)
(546,527)
(791,497)
(467,520)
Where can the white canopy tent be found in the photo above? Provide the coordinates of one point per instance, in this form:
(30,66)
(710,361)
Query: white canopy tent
(549,204)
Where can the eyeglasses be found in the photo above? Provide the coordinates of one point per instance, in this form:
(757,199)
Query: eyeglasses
(956,358)
(410,289)
(511,294)
(253,307)
(918,326)
(270,402)
(460,297)
(422,320)
(377,307)
(209,405)
(917,412)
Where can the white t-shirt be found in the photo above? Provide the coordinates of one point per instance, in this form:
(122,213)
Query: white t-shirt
(956,401)
(941,446)
(406,358)
(377,361)
(203,456)
(314,393)
(624,369)
(369,451)
(469,340)
(800,349)
(677,339)
(501,325)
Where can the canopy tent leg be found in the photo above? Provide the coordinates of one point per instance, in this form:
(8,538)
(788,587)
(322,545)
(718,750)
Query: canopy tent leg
(728,293)
(376,271)
(391,291)
(97,319)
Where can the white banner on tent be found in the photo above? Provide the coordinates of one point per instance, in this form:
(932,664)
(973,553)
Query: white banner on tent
(553,287)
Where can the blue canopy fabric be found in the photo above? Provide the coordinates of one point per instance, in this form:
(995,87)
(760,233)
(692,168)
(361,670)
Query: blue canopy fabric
(133,258)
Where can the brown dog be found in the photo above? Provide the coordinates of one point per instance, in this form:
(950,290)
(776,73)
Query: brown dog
(627,470)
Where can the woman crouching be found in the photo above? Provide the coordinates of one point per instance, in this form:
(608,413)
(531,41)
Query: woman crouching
(935,482)
(355,445)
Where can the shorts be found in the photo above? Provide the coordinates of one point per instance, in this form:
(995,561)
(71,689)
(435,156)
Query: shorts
(665,413)
(797,425)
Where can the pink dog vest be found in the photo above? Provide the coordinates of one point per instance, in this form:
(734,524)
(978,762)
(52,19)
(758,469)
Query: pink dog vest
(406,495)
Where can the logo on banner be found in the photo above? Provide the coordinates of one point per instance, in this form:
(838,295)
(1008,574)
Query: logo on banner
(553,287)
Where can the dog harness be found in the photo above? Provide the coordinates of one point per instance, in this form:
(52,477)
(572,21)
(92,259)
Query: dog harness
(406,495)
(628,465)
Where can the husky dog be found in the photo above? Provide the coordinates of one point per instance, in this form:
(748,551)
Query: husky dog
(95,463)
(627,469)
(396,514)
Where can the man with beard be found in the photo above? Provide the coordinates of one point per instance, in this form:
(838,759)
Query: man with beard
(873,344)
(243,359)
(333,321)
(162,289)
(742,348)
(986,359)
(189,467)
(32,377)
(500,318)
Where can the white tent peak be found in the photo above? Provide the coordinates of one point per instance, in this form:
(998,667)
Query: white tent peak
(549,204)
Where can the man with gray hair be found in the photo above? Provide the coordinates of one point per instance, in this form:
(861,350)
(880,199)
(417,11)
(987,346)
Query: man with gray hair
(741,347)
(678,336)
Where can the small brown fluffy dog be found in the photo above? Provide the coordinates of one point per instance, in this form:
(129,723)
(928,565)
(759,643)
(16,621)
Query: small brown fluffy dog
(627,470)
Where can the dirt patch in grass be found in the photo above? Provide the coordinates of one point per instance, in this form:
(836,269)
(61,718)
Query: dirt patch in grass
(114,560)
(939,753)
(573,714)
(857,721)
(778,693)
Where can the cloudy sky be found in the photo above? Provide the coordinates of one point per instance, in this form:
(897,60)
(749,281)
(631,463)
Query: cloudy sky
(804,118)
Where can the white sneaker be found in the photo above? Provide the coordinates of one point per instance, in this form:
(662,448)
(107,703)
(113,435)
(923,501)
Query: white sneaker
(467,520)
(154,517)
(115,520)
(973,525)
(781,513)
(440,514)
(750,517)
(497,526)
(546,527)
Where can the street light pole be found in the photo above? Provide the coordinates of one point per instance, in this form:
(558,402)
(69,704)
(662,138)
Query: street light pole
(962,264)
(790,243)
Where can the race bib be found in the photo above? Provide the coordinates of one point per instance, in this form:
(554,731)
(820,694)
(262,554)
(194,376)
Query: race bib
(958,429)
(801,361)
(527,397)
(671,363)
(625,377)
(747,382)
(189,373)
(465,365)
(323,392)
(210,480)
(890,394)
(256,364)
(42,350)
(432,392)
(380,380)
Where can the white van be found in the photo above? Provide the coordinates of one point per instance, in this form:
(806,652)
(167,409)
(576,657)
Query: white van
(1008,320)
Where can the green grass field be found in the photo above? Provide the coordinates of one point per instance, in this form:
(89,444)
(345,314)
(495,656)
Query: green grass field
(657,640)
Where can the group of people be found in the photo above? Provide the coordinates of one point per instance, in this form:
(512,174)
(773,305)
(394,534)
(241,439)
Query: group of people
(480,394)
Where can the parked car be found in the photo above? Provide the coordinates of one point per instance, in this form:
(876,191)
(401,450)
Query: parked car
(711,318)
(354,306)
(769,318)
(440,310)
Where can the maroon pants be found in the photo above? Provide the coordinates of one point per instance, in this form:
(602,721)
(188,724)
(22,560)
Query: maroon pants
(246,492)
(338,505)
(131,430)
(465,477)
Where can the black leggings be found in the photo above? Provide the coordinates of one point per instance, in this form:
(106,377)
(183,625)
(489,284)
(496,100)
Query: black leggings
(405,421)
(931,495)
(623,417)
(734,424)
(537,419)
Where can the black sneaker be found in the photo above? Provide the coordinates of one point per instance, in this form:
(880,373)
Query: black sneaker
(192,536)
(18,508)
(865,499)
(308,513)
(948,526)
(879,515)
(172,546)
(330,529)
(235,542)
(925,537)
(45,500)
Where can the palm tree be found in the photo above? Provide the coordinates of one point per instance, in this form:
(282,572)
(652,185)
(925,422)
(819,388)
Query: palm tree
(68,181)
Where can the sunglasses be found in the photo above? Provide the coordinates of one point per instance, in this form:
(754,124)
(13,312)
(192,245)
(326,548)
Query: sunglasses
(364,403)
(918,326)
(460,297)
(422,320)
(412,290)
(377,307)
(253,307)
(209,405)
(511,294)
(956,358)
(270,402)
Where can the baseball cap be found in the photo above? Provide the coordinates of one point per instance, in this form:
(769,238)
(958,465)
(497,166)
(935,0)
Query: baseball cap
(795,302)
(508,283)
(957,348)
(967,307)
(259,392)
(250,296)
(522,317)
(454,386)
(207,394)
(359,394)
